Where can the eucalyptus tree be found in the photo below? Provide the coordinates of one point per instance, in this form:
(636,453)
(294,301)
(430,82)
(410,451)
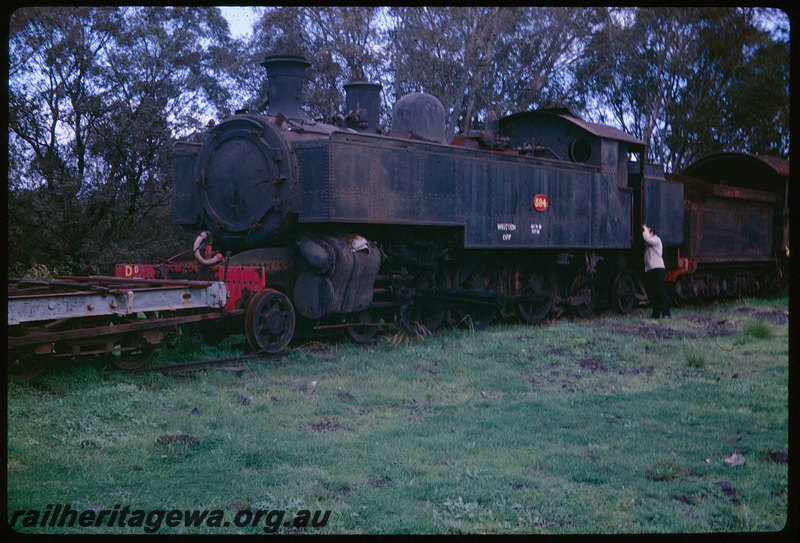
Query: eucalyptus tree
(445,51)
(537,64)
(55,100)
(95,98)
(505,59)
(640,64)
(737,97)
(690,81)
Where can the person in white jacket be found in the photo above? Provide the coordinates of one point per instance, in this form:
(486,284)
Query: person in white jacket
(654,271)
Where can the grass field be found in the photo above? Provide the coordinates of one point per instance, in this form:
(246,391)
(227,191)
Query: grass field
(613,424)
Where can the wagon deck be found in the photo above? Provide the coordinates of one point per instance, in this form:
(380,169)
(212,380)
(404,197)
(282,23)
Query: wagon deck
(75,297)
(79,317)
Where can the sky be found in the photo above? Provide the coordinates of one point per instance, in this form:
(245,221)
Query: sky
(240,19)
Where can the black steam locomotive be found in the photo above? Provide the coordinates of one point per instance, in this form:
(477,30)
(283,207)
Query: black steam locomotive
(539,213)
(334,225)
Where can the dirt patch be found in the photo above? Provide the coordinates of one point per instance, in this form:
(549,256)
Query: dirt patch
(565,380)
(688,500)
(636,370)
(414,405)
(658,475)
(775,316)
(432,369)
(730,492)
(713,326)
(721,328)
(344,394)
(379,482)
(592,363)
(238,505)
(344,492)
(326,351)
(325,425)
(599,341)
(168,439)
(557,351)
(655,331)
(778,457)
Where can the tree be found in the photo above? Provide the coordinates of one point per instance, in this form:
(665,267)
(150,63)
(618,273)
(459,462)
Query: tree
(536,66)
(52,106)
(641,63)
(690,81)
(96,95)
(446,52)
(738,95)
(479,59)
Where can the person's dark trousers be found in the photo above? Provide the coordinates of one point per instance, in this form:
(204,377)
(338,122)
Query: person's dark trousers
(657,292)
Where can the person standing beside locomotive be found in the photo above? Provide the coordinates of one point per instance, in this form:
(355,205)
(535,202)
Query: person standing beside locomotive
(654,271)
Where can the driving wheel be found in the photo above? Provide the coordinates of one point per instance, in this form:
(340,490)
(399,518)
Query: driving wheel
(538,287)
(582,296)
(623,294)
(361,329)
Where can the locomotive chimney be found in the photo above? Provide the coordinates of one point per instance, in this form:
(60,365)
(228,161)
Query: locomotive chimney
(363,99)
(286,74)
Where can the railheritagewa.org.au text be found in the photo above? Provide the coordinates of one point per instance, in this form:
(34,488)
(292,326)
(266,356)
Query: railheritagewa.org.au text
(151,521)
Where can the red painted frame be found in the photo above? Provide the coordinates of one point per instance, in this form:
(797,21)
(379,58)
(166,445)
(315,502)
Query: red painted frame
(240,280)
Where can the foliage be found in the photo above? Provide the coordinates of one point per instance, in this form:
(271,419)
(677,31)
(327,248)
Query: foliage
(446,52)
(96,97)
(758,329)
(691,81)
(40,271)
(476,59)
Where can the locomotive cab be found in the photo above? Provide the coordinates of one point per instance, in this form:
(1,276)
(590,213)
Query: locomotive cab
(650,198)
(570,139)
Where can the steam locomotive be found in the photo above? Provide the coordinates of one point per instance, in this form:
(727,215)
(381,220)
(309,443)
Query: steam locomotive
(317,225)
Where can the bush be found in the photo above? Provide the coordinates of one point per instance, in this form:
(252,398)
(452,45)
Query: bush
(37,271)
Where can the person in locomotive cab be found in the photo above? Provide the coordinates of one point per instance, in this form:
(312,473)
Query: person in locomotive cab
(654,271)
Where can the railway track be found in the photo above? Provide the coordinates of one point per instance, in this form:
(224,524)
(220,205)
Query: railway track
(210,363)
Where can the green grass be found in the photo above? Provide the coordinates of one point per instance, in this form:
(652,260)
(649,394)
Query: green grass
(614,424)
(758,330)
